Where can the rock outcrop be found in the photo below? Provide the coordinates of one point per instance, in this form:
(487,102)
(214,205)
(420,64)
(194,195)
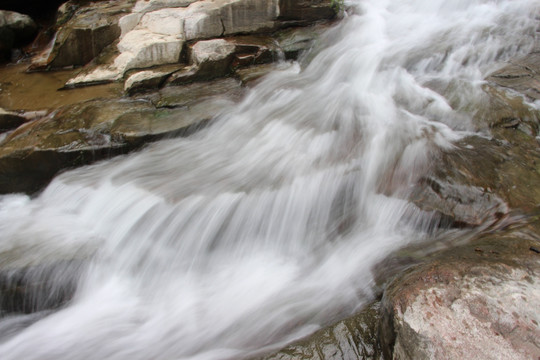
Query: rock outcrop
(153,33)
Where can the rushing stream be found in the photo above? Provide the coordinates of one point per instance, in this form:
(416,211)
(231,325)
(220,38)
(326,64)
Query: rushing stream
(266,225)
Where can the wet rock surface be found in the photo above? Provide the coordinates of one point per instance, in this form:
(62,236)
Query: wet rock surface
(352,338)
(82,133)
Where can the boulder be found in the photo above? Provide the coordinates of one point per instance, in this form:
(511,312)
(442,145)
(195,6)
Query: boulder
(250,75)
(476,301)
(248,16)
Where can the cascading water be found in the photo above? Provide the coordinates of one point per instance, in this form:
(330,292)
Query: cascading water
(266,225)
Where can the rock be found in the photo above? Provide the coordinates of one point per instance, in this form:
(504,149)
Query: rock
(248,16)
(149,79)
(182,96)
(10,120)
(254,50)
(154,35)
(476,301)
(212,57)
(253,73)
(522,75)
(202,20)
(87,32)
(144,6)
(458,205)
(38,288)
(82,133)
(294,41)
(353,338)
(305,11)
(15,30)
(23,27)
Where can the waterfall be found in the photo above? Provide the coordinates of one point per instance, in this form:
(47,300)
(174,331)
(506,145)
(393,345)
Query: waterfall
(266,225)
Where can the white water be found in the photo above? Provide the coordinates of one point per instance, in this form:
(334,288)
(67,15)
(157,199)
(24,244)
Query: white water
(265,226)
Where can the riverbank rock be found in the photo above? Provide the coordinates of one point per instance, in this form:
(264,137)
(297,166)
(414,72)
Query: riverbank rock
(82,33)
(15,30)
(476,301)
(157,33)
(80,134)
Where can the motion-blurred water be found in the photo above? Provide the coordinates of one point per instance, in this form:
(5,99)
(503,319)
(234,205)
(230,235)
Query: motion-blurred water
(266,225)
